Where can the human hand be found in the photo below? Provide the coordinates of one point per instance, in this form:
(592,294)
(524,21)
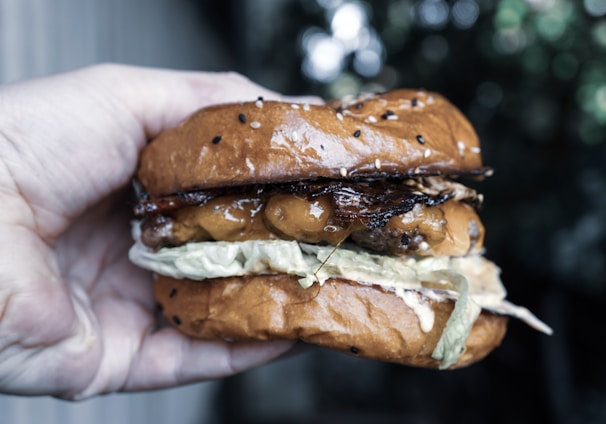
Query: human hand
(77,319)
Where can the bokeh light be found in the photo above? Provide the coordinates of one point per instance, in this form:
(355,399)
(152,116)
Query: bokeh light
(510,14)
(434,48)
(599,33)
(349,41)
(510,40)
(595,7)
(541,5)
(367,62)
(432,14)
(465,13)
(324,56)
(348,20)
(555,21)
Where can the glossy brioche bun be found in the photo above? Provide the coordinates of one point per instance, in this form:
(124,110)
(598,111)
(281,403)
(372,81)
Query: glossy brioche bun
(399,133)
(362,320)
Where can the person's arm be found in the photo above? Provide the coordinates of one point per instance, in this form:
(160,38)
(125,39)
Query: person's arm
(77,319)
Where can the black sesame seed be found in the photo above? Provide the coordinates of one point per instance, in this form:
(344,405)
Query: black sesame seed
(159,307)
(217,139)
(420,139)
(173,292)
(354,350)
(359,105)
(260,98)
(176,320)
(414,102)
(322,146)
(387,114)
(242,118)
(357,133)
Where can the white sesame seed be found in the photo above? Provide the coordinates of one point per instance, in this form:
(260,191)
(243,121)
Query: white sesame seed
(427,153)
(259,103)
(475,149)
(461,147)
(294,136)
(294,106)
(339,116)
(430,100)
(255,124)
(423,245)
(489,173)
(343,172)
(306,106)
(372,119)
(378,163)
(392,117)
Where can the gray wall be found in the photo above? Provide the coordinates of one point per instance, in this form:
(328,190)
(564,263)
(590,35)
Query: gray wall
(39,37)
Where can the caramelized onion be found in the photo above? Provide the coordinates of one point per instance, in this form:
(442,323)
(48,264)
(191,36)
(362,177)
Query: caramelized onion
(371,202)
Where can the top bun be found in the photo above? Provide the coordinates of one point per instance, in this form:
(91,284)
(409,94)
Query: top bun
(400,133)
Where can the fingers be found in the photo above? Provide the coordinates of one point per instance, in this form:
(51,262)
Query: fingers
(73,138)
(168,358)
(161,98)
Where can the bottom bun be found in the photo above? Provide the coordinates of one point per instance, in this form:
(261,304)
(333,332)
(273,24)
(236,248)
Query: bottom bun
(365,321)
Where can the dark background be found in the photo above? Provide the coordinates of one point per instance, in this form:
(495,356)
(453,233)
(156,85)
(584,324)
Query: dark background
(531,76)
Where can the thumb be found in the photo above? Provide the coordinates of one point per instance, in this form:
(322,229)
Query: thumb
(85,129)
(160,99)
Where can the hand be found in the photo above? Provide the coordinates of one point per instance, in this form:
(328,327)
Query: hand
(77,319)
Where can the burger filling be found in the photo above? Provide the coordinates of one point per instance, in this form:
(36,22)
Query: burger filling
(418,238)
(424,217)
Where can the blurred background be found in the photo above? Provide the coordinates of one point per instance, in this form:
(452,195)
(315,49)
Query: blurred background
(529,74)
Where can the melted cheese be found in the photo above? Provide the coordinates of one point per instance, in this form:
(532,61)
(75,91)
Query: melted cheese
(452,228)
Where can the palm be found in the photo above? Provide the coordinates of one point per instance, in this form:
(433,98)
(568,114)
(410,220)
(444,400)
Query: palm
(76,317)
(88,316)
(94,255)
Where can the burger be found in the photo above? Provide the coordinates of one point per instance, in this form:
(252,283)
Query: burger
(344,225)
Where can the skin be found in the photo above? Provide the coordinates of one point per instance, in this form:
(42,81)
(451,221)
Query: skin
(77,319)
